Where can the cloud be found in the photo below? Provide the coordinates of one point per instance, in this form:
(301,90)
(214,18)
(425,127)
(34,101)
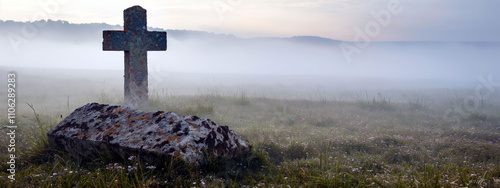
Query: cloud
(421,20)
(457,20)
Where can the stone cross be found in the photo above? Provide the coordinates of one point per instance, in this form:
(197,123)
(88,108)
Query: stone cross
(135,40)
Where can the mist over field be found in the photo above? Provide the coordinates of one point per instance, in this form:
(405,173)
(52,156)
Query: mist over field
(202,58)
(390,114)
(64,63)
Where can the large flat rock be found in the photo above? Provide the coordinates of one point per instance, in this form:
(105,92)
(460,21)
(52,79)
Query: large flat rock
(94,129)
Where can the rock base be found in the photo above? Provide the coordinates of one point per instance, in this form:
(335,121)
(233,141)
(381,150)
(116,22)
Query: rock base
(94,129)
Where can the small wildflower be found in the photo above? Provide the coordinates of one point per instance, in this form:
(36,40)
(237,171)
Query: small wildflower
(130,168)
(202,182)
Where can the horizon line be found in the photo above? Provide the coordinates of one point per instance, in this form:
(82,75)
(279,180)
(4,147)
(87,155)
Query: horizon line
(270,37)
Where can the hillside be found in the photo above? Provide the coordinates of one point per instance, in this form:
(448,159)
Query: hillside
(62,45)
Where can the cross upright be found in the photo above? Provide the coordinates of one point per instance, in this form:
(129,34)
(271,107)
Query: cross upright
(135,40)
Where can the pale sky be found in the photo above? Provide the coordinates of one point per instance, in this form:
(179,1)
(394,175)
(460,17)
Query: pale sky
(417,20)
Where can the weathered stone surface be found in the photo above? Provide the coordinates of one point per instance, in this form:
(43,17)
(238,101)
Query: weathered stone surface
(135,40)
(93,128)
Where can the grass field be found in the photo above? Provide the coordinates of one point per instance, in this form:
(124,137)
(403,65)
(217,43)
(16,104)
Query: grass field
(362,140)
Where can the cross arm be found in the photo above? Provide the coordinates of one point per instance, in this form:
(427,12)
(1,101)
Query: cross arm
(113,41)
(158,41)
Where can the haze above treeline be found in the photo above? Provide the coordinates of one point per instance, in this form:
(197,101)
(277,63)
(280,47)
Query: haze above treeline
(297,59)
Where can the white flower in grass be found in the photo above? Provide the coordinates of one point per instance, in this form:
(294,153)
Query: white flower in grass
(202,182)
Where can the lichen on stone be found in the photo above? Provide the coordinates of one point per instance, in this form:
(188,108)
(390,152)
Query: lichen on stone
(95,127)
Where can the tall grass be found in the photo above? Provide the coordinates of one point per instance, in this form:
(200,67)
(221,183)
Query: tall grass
(367,142)
(376,103)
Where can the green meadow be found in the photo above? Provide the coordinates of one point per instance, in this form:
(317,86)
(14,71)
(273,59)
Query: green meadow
(407,138)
